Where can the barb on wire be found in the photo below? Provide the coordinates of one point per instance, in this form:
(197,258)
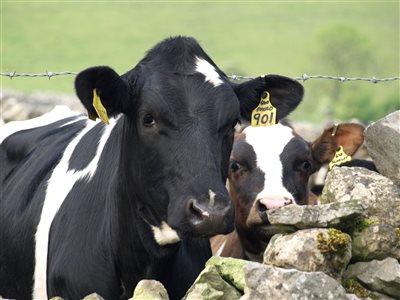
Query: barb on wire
(306,77)
(303,78)
(11,75)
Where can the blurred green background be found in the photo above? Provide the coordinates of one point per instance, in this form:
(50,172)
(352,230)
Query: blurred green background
(292,38)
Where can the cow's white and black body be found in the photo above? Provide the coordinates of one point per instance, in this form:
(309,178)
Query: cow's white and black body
(88,207)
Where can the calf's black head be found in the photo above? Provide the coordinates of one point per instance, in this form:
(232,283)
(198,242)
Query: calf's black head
(179,111)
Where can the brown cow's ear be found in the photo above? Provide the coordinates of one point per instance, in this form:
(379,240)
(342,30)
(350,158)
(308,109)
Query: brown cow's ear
(285,94)
(348,135)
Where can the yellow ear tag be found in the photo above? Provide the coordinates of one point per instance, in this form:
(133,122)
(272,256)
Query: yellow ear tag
(264,114)
(340,158)
(100,109)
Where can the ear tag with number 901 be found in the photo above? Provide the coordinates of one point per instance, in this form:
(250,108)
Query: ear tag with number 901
(264,114)
(340,158)
(99,107)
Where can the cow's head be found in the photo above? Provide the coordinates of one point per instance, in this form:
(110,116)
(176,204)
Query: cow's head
(179,113)
(270,167)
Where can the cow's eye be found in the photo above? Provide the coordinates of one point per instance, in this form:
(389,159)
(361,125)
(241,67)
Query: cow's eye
(306,166)
(148,120)
(235,166)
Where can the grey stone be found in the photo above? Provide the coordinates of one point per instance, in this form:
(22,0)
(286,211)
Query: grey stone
(376,241)
(380,194)
(337,214)
(150,290)
(382,139)
(211,286)
(230,269)
(351,297)
(381,276)
(93,296)
(311,250)
(17,106)
(267,282)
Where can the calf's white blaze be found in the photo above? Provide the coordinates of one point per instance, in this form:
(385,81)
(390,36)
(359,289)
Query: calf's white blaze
(268,143)
(58,113)
(59,185)
(208,70)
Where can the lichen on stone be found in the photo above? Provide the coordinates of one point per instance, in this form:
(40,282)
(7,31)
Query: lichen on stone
(352,286)
(336,242)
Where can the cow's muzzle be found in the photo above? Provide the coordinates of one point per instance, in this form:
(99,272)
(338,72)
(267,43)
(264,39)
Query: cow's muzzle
(215,216)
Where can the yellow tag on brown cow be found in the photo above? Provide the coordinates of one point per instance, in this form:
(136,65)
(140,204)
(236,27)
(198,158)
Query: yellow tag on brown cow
(340,158)
(264,114)
(99,107)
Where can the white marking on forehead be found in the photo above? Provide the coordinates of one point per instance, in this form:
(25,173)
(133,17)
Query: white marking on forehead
(208,70)
(58,113)
(59,185)
(268,143)
(165,234)
(212,198)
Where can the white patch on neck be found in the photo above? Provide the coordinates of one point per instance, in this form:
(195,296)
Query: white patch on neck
(59,185)
(220,249)
(268,143)
(58,113)
(165,235)
(208,70)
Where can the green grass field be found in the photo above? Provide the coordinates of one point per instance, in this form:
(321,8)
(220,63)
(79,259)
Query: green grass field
(244,37)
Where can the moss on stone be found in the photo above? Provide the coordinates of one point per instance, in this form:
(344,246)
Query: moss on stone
(352,286)
(230,269)
(398,233)
(365,223)
(336,242)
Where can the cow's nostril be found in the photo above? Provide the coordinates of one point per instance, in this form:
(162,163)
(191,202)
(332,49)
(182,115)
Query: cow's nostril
(288,200)
(261,207)
(197,212)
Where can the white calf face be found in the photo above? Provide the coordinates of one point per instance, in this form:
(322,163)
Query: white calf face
(270,167)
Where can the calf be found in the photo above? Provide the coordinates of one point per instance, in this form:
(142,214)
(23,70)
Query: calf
(88,207)
(269,168)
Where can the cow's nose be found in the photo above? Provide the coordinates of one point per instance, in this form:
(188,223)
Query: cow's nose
(208,220)
(272,202)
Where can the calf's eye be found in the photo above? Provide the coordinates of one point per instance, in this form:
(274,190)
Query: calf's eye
(306,166)
(148,120)
(235,166)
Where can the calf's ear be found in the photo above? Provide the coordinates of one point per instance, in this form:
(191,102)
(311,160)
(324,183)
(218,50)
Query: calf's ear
(348,135)
(285,94)
(112,89)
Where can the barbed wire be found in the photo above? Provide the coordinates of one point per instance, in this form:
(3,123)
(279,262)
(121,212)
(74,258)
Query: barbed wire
(303,78)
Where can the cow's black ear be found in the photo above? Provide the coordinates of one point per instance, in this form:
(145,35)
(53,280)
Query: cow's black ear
(110,87)
(285,94)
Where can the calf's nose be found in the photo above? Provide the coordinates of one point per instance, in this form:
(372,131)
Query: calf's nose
(272,202)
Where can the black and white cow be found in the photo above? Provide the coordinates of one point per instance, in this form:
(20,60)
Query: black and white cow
(89,207)
(270,168)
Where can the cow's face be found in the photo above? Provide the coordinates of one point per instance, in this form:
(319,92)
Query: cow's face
(183,132)
(270,168)
(180,111)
